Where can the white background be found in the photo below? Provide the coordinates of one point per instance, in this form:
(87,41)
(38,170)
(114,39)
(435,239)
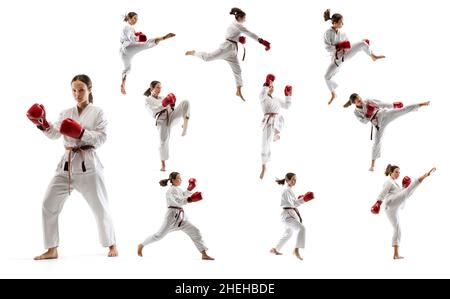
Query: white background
(46,43)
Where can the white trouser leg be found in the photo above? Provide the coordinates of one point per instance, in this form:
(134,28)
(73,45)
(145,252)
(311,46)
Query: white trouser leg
(357,47)
(167,226)
(233,61)
(54,199)
(129,53)
(194,233)
(291,225)
(332,70)
(394,218)
(92,187)
(267,137)
(386,117)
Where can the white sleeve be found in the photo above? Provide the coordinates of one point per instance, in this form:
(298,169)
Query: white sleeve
(53,131)
(299,201)
(382,104)
(96,136)
(172,195)
(286,103)
(386,188)
(360,116)
(247,32)
(329,46)
(263,93)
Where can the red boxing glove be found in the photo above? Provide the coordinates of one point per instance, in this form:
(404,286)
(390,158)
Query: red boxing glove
(398,105)
(288,90)
(197,196)
(367,41)
(406,181)
(376,207)
(370,110)
(307,196)
(170,99)
(71,128)
(37,115)
(192,184)
(242,39)
(142,38)
(264,43)
(343,45)
(270,78)
(138,33)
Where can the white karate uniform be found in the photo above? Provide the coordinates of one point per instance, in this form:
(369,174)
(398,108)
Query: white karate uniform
(331,39)
(176,220)
(385,114)
(89,183)
(394,197)
(229,48)
(290,219)
(166,118)
(270,123)
(131,46)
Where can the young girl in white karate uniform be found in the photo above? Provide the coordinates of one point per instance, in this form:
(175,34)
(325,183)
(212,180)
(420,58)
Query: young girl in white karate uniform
(337,44)
(167,115)
(228,50)
(290,216)
(133,43)
(175,218)
(272,122)
(380,114)
(394,197)
(84,130)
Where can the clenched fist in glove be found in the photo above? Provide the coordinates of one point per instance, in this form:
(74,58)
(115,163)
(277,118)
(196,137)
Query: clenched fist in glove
(370,110)
(242,39)
(406,181)
(376,207)
(192,184)
(197,196)
(398,105)
(307,196)
(264,43)
(343,45)
(170,99)
(269,79)
(71,128)
(141,36)
(36,114)
(288,90)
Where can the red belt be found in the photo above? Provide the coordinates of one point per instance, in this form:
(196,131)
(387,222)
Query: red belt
(271,115)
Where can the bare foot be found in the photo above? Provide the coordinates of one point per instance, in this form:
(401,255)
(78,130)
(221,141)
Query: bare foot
(122,89)
(140,248)
(431,171)
(375,57)
(263,171)
(191,53)
(113,252)
(184,126)
(425,103)
(398,257)
(275,251)
(276,137)
(239,93)
(206,257)
(51,254)
(333,96)
(163,166)
(371,168)
(297,254)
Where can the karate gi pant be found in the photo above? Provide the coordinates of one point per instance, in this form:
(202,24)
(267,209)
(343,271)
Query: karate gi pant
(292,224)
(274,123)
(227,52)
(129,53)
(384,118)
(392,210)
(171,223)
(336,64)
(92,187)
(165,126)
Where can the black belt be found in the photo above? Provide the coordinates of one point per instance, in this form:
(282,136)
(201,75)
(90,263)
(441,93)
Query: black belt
(178,214)
(296,211)
(376,126)
(157,115)
(232,41)
(336,57)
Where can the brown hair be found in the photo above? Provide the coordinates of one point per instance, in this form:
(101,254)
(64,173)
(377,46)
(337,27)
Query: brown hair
(129,15)
(237,12)
(172,177)
(86,80)
(335,18)
(351,100)
(148,92)
(390,169)
(287,177)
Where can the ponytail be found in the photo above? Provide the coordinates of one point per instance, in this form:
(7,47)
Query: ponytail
(237,12)
(351,100)
(335,18)
(390,169)
(148,92)
(287,177)
(172,176)
(326,15)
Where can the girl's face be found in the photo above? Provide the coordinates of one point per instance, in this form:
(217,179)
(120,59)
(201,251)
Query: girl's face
(241,19)
(133,20)
(177,181)
(270,89)
(80,92)
(358,101)
(396,173)
(292,181)
(339,24)
(156,90)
